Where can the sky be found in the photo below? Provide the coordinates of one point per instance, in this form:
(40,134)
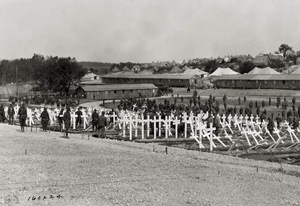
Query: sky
(146,30)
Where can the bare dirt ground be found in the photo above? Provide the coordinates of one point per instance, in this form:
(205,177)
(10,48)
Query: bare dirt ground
(109,172)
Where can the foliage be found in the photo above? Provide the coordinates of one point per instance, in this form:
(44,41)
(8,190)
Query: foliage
(210,66)
(96,67)
(283,48)
(58,74)
(246,67)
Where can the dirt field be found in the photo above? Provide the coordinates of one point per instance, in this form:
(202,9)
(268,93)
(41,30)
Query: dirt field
(108,172)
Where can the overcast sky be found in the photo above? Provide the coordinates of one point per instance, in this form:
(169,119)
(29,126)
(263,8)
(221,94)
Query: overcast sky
(146,30)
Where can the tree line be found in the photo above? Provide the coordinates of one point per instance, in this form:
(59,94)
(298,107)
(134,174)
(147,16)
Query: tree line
(50,74)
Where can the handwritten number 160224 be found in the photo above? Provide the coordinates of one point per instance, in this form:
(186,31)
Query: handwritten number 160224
(51,197)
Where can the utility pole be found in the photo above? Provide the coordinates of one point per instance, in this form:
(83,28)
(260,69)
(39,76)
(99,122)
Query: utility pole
(17,80)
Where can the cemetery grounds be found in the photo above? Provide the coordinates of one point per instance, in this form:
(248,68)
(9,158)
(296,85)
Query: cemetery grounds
(43,168)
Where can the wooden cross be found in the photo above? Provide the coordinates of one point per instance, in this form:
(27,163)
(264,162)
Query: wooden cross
(176,122)
(73,119)
(245,133)
(210,130)
(185,120)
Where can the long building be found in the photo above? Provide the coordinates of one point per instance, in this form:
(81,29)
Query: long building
(258,81)
(172,80)
(115,91)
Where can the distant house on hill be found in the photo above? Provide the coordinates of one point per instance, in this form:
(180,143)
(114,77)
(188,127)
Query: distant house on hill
(227,59)
(115,69)
(175,69)
(136,68)
(220,60)
(184,68)
(275,57)
(90,76)
(125,69)
(298,61)
(262,60)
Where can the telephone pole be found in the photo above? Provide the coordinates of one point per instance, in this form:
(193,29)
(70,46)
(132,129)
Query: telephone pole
(17,80)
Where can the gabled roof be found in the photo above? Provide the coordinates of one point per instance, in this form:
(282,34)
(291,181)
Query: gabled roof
(262,60)
(126,69)
(220,60)
(195,71)
(115,69)
(296,71)
(266,70)
(109,87)
(260,77)
(149,76)
(89,75)
(175,69)
(223,71)
(185,68)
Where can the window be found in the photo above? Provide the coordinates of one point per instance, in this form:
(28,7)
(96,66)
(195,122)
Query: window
(265,82)
(293,82)
(123,91)
(232,81)
(106,92)
(283,81)
(115,91)
(131,91)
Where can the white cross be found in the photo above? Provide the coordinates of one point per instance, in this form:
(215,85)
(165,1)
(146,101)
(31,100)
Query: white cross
(176,122)
(73,119)
(210,130)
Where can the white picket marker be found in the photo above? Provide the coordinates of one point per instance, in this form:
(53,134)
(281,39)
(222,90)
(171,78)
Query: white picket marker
(73,119)
(136,126)
(114,116)
(185,120)
(124,126)
(130,128)
(143,131)
(211,129)
(154,122)
(245,133)
(176,122)
(85,122)
(148,126)
(159,125)
(166,127)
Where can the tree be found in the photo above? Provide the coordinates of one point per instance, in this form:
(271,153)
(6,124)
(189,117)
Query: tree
(246,67)
(4,69)
(283,48)
(210,66)
(58,74)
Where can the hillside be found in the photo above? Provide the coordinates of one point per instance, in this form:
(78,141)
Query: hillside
(96,67)
(82,171)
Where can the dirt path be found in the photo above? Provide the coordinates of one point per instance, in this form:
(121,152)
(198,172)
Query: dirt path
(107,172)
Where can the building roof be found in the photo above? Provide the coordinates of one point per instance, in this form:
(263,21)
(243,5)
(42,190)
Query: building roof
(261,60)
(125,69)
(223,71)
(175,69)
(93,82)
(149,76)
(260,77)
(109,87)
(195,71)
(296,70)
(266,70)
(89,75)
(115,69)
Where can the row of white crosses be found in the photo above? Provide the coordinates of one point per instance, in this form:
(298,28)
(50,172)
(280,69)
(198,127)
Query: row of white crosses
(251,129)
(33,115)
